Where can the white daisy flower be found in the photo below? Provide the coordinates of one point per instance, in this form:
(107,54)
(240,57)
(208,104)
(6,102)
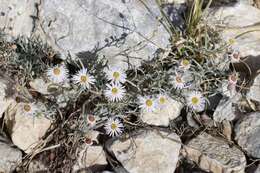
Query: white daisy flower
(113,127)
(162,100)
(116,74)
(83,79)
(115,92)
(28,109)
(57,74)
(235,56)
(196,101)
(147,104)
(185,64)
(178,81)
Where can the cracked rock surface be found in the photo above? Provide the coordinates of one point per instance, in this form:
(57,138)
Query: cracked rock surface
(215,155)
(17,17)
(148,151)
(10,156)
(247,134)
(254,92)
(238,19)
(131,31)
(26,131)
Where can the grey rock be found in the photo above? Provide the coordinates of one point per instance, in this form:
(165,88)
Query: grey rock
(225,110)
(236,16)
(238,19)
(162,117)
(117,30)
(89,156)
(10,157)
(257,169)
(16,16)
(4,101)
(249,2)
(173,1)
(148,151)
(26,131)
(254,92)
(215,155)
(247,134)
(191,121)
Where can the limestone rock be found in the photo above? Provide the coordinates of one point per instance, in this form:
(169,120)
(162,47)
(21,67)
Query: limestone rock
(257,169)
(40,86)
(117,29)
(247,134)
(191,121)
(239,15)
(249,2)
(224,111)
(16,16)
(4,102)
(174,1)
(215,155)
(163,116)
(254,92)
(240,19)
(10,157)
(26,130)
(89,156)
(148,151)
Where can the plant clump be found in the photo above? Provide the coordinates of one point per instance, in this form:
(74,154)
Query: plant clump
(86,93)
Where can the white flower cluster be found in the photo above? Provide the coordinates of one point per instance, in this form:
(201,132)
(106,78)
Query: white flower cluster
(34,109)
(59,74)
(115,90)
(195,100)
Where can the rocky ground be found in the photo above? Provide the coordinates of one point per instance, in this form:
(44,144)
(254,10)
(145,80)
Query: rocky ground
(222,138)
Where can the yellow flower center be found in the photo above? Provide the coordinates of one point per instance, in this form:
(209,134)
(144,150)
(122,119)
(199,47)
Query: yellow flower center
(149,102)
(27,108)
(56,71)
(116,75)
(113,126)
(178,79)
(195,100)
(83,78)
(185,62)
(162,100)
(114,90)
(231,41)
